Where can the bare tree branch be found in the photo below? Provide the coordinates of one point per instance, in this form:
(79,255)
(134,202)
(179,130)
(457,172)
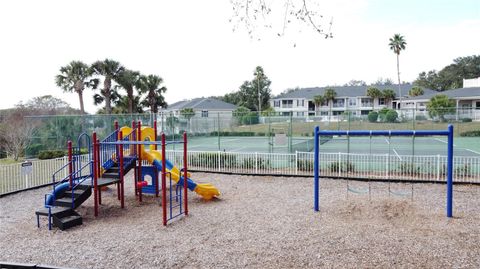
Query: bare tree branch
(254,13)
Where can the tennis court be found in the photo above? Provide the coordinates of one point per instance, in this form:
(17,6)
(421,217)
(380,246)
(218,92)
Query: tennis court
(395,146)
(401,146)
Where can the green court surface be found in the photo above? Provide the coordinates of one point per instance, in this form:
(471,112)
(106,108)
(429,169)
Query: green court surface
(401,146)
(463,146)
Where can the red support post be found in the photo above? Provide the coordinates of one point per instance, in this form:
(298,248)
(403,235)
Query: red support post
(95,173)
(70,166)
(117,154)
(155,132)
(155,178)
(122,198)
(133,149)
(185,173)
(164,183)
(139,151)
(99,173)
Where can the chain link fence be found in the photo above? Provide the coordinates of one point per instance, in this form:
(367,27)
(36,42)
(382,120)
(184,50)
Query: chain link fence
(281,132)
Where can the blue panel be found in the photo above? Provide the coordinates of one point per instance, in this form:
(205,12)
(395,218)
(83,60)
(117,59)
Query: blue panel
(153,173)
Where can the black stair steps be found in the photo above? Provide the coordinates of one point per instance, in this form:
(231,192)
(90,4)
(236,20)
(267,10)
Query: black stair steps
(54,210)
(113,169)
(75,194)
(62,217)
(109,174)
(67,219)
(66,200)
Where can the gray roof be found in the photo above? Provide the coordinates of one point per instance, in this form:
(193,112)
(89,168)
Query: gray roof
(347,91)
(202,104)
(456,93)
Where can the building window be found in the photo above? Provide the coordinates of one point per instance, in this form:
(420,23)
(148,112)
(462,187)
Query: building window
(338,103)
(276,103)
(204,113)
(336,113)
(477,105)
(287,103)
(366,102)
(323,113)
(300,103)
(301,114)
(352,101)
(381,101)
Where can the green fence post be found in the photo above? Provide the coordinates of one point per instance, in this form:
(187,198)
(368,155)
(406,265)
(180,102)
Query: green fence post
(218,129)
(290,133)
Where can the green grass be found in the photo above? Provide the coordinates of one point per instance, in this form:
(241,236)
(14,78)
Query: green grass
(306,128)
(10,161)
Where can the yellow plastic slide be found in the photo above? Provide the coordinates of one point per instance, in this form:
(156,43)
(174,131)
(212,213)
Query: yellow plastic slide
(154,157)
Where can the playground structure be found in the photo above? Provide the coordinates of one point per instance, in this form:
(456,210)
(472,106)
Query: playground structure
(449,168)
(107,163)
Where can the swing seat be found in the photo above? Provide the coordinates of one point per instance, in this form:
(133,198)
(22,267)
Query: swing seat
(397,193)
(358,191)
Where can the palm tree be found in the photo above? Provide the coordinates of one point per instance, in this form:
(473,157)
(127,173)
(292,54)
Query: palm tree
(127,80)
(416,91)
(75,77)
(187,113)
(122,105)
(151,86)
(389,95)
(329,96)
(397,44)
(373,93)
(110,69)
(318,100)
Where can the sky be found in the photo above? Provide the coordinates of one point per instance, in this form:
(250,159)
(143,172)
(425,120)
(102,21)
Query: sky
(192,44)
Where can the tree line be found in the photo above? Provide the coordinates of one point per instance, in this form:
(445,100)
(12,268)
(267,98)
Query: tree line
(451,76)
(142,91)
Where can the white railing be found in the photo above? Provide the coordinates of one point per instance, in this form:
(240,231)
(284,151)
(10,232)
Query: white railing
(335,165)
(12,179)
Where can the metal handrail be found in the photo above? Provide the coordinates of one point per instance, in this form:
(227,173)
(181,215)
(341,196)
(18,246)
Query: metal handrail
(60,169)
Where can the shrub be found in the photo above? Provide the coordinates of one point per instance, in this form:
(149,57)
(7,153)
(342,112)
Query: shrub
(305,165)
(471,133)
(210,160)
(420,117)
(372,116)
(382,114)
(341,166)
(34,149)
(391,116)
(464,170)
(249,163)
(466,120)
(51,154)
(409,168)
(227,133)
